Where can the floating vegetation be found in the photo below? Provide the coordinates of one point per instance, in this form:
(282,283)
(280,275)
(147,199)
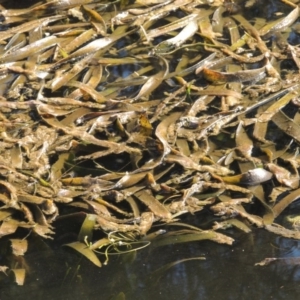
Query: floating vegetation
(128,114)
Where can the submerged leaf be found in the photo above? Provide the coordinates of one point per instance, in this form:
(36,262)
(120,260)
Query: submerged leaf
(162,270)
(86,230)
(3,269)
(120,296)
(191,236)
(84,250)
(266,261)
(239,76)
(19,275)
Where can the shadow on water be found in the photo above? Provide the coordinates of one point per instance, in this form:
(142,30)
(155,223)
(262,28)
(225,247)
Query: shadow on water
(228,272)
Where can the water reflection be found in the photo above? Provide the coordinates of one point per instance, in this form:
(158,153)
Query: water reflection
(227,273)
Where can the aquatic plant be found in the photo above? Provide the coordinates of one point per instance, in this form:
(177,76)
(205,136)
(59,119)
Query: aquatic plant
(133,113)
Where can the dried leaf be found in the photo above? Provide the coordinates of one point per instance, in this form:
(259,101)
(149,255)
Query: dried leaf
(8,227)
(252,177)
(153,204)
(285,202)
(19,247)
(277,229)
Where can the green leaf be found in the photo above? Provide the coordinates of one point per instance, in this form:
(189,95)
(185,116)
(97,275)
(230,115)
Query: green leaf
(86,230)
(85,251)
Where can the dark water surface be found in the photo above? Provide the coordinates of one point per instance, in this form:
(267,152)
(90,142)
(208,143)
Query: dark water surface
(228,272)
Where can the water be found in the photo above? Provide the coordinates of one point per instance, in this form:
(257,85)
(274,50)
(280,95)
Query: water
(228,272)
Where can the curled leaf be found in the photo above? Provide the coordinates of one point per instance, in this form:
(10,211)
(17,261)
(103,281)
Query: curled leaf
(252,177)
